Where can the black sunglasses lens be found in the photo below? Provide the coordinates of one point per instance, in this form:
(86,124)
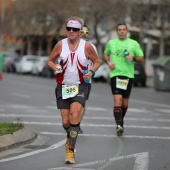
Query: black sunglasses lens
(68,28)
(74,29)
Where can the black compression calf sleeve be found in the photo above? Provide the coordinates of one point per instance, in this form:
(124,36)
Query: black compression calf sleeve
(118,115)
(73,135)
(67,129)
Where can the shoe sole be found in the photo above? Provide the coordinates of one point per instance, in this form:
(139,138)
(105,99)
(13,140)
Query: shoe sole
(70,162)
(120,132)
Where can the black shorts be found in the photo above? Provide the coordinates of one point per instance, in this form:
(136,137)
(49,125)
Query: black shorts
(88,90)
(115,90)
(65,103)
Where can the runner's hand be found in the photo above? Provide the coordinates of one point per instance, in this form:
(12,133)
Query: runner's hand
(111,65)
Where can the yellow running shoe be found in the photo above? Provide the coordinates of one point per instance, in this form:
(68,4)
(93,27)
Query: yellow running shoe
(67,145)
(70,157)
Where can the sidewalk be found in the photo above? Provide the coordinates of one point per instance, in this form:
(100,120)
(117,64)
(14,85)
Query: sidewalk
(16,139)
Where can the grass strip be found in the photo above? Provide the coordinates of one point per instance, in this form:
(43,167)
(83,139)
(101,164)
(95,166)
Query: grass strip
(10,128)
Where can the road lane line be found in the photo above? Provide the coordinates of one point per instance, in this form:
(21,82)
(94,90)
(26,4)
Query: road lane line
(30,115)
(97,125)
(150,103)
(111,136)
(17,106)
(69,168)
(85,117)
(141,162)
(56,145)
(163,110)
(21,95)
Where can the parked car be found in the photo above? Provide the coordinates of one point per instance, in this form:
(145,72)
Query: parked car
(102,74)
(7,61)
(12,65)
(39,65)
(25,64)
(139,75)
(47,72)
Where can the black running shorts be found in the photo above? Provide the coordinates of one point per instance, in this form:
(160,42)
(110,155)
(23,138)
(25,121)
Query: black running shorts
(115,90)
(65,103)
(88,90)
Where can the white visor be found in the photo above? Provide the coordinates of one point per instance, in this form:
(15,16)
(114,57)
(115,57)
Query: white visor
(74,24)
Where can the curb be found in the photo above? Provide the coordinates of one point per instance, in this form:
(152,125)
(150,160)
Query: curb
(18,138)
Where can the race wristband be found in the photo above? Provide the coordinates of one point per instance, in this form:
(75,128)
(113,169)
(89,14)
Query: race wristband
(92,72)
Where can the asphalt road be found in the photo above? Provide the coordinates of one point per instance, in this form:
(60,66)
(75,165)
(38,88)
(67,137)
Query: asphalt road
(144,145)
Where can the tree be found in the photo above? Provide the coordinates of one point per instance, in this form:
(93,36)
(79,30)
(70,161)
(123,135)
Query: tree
(37,18)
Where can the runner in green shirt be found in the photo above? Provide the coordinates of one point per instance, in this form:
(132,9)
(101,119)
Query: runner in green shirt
(119,55)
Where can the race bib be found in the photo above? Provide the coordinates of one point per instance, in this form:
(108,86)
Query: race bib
(122,83)
(69,91)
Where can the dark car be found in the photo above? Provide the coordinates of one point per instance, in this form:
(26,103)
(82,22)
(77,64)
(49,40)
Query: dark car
(47,72)
(139,75)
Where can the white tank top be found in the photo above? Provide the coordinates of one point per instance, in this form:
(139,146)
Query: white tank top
(73,64)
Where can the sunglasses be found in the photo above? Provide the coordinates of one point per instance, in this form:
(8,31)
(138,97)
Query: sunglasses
(85,32)
(73,29)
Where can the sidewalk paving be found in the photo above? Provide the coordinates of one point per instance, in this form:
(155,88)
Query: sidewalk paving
(18,138)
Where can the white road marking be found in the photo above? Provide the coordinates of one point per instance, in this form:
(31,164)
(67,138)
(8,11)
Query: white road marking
(38,111)
(88,108)
(110,136)
(138,110)
(70,168)
(130,110)
(51,107)
(141,162)
(85,117)
(97,125)
(21,95)
(150,103)
(163,110)
(57,145)
(17,106)
(97,109)
(30,115)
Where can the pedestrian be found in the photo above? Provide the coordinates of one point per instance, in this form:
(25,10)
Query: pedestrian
(120,54)
(84,35)
(72,54)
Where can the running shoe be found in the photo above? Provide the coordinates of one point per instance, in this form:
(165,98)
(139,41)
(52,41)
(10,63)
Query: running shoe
(119,130)
(70,157)
(80,131)
(67,145)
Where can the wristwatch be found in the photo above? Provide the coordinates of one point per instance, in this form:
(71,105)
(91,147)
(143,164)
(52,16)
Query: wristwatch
(92,72)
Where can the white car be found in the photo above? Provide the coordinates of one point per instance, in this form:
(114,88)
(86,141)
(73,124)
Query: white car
(25,64)
(39,65)
(102,74)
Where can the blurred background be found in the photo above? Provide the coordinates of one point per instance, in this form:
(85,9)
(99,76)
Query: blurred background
(33,27)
